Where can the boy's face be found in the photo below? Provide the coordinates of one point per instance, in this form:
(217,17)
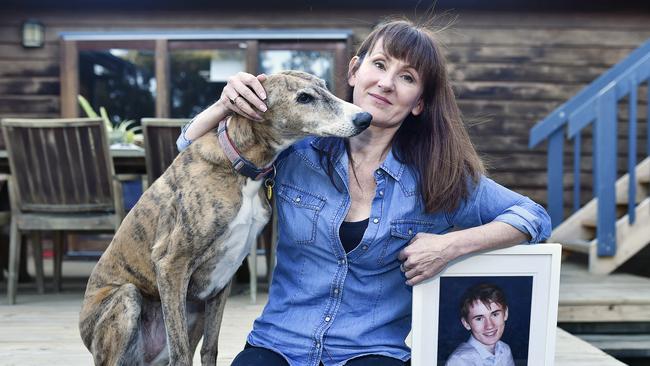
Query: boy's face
(486,324)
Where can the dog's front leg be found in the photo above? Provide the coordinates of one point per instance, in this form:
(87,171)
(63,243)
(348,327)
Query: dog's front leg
(172,275)
(213,314)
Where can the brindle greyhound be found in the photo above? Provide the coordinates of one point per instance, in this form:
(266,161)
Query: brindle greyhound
(162,283)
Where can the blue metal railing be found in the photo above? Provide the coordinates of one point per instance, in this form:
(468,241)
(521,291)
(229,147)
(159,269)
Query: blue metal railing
(597,104)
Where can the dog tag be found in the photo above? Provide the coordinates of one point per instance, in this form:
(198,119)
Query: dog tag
(268,183)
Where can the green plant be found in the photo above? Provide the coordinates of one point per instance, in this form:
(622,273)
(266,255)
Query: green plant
(126,131)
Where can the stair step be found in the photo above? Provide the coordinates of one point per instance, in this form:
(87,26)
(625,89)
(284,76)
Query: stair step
(630,238)
(643,177)
(577,245)
(590,222)
(620,345)
(623,199)
(621,210)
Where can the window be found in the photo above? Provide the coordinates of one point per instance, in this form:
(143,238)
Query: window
(176,74)
(319,63)
(198,73)
(121,80)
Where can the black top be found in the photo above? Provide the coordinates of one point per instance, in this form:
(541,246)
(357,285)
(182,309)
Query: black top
(351,233)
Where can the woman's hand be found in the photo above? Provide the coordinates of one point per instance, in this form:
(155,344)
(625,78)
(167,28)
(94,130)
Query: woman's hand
(244,95)
(242,91)
(425,256)
(428,254)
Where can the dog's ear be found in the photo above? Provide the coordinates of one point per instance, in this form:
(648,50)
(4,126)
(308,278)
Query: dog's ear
(305,76)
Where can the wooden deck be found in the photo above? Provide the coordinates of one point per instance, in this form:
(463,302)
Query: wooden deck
(42,329)
(617,297)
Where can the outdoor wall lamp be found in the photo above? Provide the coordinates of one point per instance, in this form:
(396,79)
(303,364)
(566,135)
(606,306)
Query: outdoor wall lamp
(33,33)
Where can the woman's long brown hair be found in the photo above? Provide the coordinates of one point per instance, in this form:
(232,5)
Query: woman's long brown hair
(435,143)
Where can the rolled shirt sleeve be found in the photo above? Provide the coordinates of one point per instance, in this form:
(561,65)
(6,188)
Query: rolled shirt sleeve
(183,142)
(491,201)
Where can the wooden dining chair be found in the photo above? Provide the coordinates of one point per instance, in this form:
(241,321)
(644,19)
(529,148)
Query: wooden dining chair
(62,179)
(5,219)
(160,136)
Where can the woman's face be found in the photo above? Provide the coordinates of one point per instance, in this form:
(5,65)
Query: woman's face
(387,88)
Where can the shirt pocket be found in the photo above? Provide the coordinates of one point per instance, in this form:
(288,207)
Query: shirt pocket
(407,228)
(401,232)
(299,210)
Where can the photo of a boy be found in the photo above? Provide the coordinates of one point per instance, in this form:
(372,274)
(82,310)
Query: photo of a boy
(483,312)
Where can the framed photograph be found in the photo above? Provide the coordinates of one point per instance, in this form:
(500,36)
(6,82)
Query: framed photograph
(498,307)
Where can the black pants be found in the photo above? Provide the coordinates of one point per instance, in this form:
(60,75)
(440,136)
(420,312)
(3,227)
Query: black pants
(258,356)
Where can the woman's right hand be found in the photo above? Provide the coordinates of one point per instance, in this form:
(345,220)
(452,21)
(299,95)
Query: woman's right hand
(244,95)
(241,93)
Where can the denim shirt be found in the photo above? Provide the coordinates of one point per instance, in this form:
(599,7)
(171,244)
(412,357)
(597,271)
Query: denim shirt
(326,305)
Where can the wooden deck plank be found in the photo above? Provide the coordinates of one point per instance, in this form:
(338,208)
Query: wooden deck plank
(42,329)
(586,297)
(623,345)
(570,350)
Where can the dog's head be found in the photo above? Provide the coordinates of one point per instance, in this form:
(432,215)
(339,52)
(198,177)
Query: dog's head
(300,105)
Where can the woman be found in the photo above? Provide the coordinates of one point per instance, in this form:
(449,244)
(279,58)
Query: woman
(362,220)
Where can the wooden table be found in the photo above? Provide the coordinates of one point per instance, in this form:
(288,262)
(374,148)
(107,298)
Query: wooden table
(126,161)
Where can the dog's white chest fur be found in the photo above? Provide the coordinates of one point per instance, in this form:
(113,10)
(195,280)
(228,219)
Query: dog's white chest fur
(236,242)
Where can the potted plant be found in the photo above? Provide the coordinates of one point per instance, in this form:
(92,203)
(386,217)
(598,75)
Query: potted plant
(121,132)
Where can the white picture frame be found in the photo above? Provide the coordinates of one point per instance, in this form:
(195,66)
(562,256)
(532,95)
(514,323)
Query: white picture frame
(531,271)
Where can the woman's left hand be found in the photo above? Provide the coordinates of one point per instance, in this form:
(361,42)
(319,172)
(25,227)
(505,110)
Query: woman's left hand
(425,256)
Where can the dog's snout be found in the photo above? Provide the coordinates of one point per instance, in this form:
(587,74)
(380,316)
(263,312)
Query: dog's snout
(362,120)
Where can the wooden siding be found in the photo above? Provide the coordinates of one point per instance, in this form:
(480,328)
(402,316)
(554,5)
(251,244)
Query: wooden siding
(509,69)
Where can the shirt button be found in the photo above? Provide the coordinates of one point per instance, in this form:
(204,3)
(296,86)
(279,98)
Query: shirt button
(336,291)
(317,345)
(327,318)
(375,220)
(297,199)
(365,247)
(381,193)
(410,231)
(341,261)
(378,172)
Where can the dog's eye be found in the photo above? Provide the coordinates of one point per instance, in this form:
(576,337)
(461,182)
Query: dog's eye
(304,98)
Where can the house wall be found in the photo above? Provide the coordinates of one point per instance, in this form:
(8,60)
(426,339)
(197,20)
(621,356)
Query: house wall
(509,69)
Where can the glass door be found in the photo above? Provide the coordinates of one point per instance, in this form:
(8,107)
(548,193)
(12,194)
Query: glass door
(323,59)
(198,72)
(119,76)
